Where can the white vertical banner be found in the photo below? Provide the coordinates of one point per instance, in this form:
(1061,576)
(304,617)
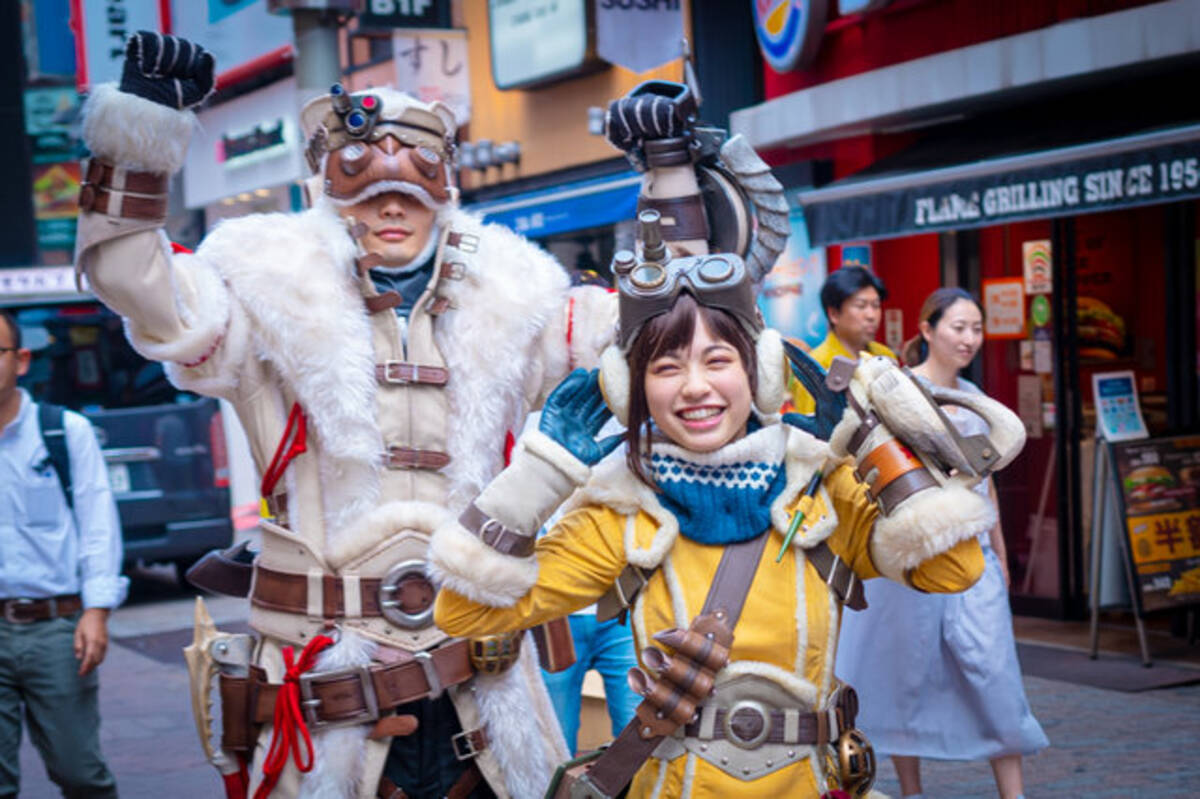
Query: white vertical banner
(638,35)
(102,30)
(432,65)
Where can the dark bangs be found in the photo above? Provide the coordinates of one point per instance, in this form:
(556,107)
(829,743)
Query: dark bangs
(663,334)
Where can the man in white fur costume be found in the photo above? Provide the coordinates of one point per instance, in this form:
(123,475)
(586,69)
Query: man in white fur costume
(379,349)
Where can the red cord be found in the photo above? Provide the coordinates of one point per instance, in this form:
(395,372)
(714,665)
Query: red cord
(293,442)
(288,719)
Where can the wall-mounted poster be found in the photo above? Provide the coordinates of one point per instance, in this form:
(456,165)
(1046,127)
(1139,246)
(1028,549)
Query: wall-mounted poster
(791,292)
(1004,307)
(1038,267)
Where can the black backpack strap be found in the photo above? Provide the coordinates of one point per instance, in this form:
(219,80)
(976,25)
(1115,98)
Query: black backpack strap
(54,436)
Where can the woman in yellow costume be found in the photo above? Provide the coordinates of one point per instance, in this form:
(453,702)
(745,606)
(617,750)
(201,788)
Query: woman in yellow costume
(741,697)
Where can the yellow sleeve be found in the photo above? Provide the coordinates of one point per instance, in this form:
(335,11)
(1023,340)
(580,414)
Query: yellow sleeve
(578,561)
(956,569)
(802,401)
(856,515)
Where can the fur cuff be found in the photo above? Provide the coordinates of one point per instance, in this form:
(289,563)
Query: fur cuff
(927,525)
(136,133)
(464,564)
(555,454)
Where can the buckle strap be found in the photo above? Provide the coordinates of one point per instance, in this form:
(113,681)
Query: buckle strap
(492,532)
(288,593)
(402,372)
(122,204)
(838,575)
(397,457)
(109,176)
(383,302)
(469,743)
(360,694)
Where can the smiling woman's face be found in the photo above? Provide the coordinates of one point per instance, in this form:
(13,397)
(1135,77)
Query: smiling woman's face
(398,226)
(699,395)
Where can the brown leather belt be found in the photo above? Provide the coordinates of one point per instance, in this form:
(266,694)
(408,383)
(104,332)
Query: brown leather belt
(411,458)
(752,728)
(122,204)
(21,610)
(361,694)
(286,592)
(403,372)
(106,175)
(838,575)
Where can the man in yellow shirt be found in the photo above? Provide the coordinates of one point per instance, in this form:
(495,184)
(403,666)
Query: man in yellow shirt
(851,298)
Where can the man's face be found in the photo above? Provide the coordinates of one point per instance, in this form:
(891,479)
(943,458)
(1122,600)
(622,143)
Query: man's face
(857,321)
(13,363)
(398,226)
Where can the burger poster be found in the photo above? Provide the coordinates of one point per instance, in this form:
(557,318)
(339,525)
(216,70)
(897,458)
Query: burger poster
(1160,485)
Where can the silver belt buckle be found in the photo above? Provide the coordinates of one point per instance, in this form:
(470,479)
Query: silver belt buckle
(10,610)
(755,740)
(309,703)
(425,661)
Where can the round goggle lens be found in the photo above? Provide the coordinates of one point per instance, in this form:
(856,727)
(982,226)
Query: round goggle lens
(716,270)
(648,276)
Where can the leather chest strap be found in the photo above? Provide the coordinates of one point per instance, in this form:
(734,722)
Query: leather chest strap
(613,770)
(403,372)
(838,575)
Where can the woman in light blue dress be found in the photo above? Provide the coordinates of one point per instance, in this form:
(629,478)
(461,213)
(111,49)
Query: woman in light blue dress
(951,688)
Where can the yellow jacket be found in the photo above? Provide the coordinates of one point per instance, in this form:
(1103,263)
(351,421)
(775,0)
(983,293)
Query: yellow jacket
(788,629)
(824,353)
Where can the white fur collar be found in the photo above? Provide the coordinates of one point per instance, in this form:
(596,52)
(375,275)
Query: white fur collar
(293,276)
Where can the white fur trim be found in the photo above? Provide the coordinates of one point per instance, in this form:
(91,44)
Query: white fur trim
(805,454)
(376,529)
(839,439)
(614,382)
(135,133)
(772,379)
(927,524)
(461,562)
(522,730)
(418,193)
(549,450)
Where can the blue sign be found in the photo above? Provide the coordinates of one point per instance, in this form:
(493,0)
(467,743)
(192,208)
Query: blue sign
(790,298)
(574,206)
(789,31)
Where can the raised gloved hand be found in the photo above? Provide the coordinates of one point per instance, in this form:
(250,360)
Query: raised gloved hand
(573,415)
(653,110)
(830,403)
(167,70)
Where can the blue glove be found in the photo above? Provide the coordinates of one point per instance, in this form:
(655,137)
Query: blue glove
(573,415)
(830,404)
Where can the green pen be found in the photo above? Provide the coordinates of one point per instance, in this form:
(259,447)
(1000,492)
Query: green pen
(798,517)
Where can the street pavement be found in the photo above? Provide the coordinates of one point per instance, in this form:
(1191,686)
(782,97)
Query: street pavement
(1103,743)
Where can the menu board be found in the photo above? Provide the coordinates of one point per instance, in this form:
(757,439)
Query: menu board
(1118,412)
(1159,488)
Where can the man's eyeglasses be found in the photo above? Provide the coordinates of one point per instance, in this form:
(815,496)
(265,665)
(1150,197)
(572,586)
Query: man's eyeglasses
(10,349)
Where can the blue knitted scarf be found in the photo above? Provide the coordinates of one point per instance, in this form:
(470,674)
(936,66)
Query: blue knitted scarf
(725,496)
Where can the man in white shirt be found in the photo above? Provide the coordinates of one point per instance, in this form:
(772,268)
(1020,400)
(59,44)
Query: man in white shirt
(60,576)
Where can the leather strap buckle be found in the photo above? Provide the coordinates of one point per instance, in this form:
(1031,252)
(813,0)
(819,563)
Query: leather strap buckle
(399,372)
(425,661)
(468,744)
(310,704)
(11,606)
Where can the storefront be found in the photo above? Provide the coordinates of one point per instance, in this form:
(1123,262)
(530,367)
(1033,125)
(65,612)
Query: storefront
(1068,207)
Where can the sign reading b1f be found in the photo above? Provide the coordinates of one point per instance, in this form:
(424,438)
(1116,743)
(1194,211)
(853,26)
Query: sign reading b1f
(405,14)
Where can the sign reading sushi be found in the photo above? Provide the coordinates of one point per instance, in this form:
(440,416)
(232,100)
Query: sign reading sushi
(1159,481)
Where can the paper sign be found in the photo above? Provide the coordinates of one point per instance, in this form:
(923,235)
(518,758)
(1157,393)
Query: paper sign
(432,65)
(1029,404)
(1038,267)
(1004,307)
(893,329)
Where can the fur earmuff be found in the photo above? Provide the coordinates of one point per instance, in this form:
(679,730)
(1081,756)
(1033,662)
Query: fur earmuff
(614,382)
(772,377)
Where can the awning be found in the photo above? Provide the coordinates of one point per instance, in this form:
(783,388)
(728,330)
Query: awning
(572,206)
(906,194)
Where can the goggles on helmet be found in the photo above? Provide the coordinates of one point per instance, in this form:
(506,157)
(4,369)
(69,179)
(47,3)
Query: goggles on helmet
(650,286)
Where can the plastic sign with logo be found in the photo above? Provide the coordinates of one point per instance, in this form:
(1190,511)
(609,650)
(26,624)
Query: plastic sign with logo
(789,31)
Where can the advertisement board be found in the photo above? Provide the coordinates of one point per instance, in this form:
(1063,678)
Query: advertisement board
(1158,484)
(790,298)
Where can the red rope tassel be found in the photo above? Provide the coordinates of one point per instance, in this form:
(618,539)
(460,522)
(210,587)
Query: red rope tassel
(289,720)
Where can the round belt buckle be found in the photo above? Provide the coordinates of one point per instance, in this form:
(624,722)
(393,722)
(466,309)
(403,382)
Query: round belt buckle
(747,724)
(406,595)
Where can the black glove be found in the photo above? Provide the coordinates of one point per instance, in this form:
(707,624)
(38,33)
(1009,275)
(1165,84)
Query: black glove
(167,70)
(573,415)
(654,110)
